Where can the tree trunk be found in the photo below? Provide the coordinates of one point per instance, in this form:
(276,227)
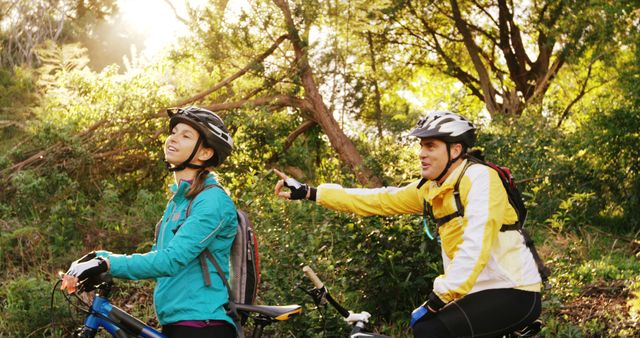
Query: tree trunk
(376,88)
(339,141)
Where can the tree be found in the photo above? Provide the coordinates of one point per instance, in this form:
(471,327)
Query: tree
(286,76)
(506,53)
(31,23)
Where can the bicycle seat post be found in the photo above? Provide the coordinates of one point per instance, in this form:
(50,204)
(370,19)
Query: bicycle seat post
(260,323)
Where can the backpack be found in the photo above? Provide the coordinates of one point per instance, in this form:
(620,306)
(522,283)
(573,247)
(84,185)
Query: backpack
(244,264)
(516,201)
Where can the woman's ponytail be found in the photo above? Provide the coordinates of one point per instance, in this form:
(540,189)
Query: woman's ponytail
(198,183)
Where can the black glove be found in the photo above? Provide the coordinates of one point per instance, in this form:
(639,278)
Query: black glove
(434,303)
(298,190)
(90,268)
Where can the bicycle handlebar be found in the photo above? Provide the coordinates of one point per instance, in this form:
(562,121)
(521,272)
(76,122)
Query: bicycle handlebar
(322,292)
(313,277)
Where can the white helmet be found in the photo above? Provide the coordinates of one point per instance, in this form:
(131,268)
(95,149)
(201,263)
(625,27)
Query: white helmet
(446,126)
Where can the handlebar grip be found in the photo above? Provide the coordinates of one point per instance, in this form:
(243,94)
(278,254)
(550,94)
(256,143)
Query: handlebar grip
(313,277)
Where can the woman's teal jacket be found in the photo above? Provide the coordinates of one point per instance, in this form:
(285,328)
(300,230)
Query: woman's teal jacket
(180,292)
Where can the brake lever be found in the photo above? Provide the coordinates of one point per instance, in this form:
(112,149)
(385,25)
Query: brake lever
(318,295)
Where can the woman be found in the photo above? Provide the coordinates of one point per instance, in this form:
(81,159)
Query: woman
(185,306)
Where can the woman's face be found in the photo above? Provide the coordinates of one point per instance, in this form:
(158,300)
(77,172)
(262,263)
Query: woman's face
(180,144)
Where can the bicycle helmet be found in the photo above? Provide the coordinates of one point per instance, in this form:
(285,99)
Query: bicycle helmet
(450,128)
(212,133)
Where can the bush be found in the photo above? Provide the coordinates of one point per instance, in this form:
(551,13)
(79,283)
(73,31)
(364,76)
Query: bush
(25,308)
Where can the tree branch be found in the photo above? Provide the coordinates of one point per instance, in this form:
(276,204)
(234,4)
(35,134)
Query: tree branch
(583,91)
(279,100)
(516,69)
(231,78)
(454,69)
(488,92)
(306,125)
(340,142)
(484,10)
(175,13)
(543,83)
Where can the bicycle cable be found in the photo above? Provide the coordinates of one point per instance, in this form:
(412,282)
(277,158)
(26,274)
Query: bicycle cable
(53,292)
(70,303)
(322,308)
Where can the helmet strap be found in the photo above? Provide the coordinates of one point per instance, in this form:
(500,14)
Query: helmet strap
(187,164)
(450,161)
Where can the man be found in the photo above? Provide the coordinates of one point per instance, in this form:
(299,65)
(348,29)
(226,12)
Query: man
(490,285)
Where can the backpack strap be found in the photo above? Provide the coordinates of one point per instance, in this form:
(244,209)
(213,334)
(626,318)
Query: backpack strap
(230,307)
(544,271)
(456,195)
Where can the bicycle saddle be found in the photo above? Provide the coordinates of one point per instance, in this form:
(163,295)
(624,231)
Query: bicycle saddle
(275,312)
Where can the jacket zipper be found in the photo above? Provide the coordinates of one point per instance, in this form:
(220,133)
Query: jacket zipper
(164,226)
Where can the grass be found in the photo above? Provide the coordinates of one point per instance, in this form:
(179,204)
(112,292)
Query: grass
(595,285)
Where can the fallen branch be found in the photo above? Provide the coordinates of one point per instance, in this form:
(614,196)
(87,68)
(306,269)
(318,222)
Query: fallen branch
(292,137)
(279,100)
(39,156)
(231,78)
(9,123)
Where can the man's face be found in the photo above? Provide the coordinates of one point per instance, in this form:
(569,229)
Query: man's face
(433,157)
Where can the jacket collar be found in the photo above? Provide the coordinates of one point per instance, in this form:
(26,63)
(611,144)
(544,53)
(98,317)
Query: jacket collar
(180,189)
(448,184)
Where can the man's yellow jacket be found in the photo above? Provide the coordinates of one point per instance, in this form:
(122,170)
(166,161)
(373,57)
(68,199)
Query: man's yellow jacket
(476,254)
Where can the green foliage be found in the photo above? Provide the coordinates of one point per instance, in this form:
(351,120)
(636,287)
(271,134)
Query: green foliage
(25,303)
(567,215)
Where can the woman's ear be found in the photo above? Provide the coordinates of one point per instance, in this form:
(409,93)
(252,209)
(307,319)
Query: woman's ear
(205,153)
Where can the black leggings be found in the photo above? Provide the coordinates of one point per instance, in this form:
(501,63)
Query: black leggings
(219,331)
(488,313)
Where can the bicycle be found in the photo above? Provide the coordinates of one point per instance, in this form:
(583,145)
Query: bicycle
(118,323)
(321,295)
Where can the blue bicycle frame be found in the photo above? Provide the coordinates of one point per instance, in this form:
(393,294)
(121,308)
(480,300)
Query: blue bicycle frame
(117,322)
(102,314)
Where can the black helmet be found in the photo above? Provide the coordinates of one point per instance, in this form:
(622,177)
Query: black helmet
(210,127)
(448,127)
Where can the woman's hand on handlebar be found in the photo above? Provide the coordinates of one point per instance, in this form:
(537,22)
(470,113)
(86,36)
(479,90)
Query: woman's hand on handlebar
(86,267)
(69,283)
(298,190)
